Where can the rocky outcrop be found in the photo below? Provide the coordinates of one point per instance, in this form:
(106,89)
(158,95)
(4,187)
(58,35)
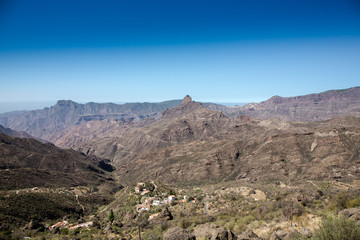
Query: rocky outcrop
(211,231)
(187,105)
(248,235)
(351,213)
(163,216)
(177,233)
(187,99)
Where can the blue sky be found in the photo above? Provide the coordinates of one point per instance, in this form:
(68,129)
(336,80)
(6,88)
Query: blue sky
(220,51)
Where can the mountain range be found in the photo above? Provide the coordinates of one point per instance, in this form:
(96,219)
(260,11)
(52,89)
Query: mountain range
(307,108)
(188,142)
(49,123)
(193,144)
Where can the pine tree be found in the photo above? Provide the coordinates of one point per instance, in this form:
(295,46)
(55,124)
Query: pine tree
(111,216)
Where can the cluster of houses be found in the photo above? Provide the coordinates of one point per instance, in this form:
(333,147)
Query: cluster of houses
(147,202)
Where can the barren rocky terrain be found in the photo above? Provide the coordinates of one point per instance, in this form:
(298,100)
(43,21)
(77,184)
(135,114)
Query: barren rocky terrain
(193,144)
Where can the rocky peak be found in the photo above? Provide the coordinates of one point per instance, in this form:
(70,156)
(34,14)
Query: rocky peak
(187,99)
(66,103)
(187,105)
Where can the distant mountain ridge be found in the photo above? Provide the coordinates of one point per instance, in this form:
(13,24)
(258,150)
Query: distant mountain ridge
(49,122)
(307,108)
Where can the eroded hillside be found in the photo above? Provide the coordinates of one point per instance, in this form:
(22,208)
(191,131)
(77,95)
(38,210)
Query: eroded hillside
(192,144)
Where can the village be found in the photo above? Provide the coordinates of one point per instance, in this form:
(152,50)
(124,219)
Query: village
(151,200)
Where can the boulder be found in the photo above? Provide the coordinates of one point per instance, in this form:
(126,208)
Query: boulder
(351,213)
(213,232)
(248,235)
(258,195)
(318,194)
(245,191)
(164,215)
(290,234)
(177,233)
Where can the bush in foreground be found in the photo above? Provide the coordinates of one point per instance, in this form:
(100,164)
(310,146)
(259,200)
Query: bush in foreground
(338,228)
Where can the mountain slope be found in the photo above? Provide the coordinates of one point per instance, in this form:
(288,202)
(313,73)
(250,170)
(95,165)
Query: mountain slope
(254,153)
(27,163)
(12,133)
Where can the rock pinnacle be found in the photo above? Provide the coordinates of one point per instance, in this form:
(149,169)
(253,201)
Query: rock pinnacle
(187,99)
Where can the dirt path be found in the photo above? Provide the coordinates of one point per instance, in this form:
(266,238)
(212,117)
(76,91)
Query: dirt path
(78,202)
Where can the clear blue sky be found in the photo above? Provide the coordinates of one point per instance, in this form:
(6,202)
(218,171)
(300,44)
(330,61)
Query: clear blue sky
(141,50)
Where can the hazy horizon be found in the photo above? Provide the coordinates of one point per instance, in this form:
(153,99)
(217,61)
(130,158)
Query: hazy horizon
(38,105)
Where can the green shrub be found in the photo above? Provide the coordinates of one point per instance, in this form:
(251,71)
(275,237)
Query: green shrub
(344,200)
(340,201)
(291,209)
(184,223)
(164,226)
(354,202)
(338,228)
(242,223)
(152,236)
(64,231)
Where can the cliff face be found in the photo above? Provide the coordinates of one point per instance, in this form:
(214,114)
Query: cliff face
(48,123)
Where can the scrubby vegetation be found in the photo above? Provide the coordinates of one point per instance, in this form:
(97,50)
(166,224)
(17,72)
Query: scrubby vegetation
(305,211)
(338,228)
